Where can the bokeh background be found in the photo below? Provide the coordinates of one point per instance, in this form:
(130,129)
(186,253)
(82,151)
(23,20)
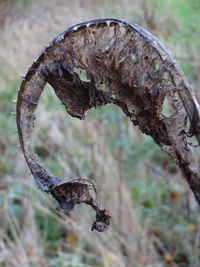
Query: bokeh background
(155,219)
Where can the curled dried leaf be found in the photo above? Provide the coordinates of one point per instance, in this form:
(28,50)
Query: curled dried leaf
(75,192)
(111,61)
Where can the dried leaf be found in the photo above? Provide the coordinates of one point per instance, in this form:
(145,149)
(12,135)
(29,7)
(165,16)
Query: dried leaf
(111,61)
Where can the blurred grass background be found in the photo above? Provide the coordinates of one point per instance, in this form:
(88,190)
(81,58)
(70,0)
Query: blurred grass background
(155,219)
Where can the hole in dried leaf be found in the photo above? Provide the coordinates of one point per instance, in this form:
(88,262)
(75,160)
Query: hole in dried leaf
(157,66)
(82,74)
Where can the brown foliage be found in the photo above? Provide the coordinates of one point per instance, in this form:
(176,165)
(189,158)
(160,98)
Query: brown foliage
(111,61)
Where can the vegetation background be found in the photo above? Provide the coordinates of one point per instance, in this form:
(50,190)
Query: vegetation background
(155,219)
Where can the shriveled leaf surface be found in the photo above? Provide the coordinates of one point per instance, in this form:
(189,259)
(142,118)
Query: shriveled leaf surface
(111,61)
(71,193)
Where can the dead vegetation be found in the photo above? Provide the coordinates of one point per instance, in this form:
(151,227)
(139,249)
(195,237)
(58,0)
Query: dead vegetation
(126,243)
(123,65)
